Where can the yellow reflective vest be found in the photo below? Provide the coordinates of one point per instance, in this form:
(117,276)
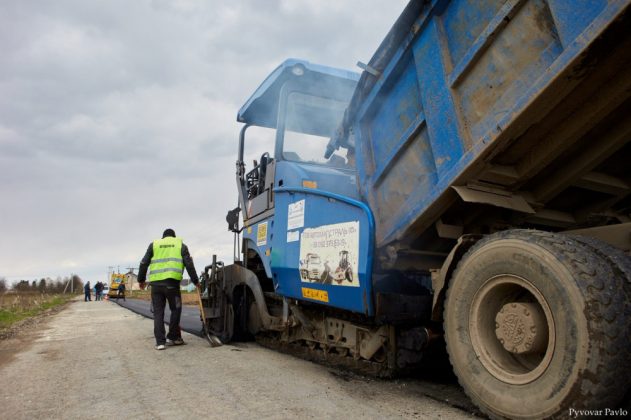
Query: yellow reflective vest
(167,260)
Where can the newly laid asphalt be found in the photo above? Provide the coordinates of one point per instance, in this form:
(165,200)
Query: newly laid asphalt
(189,322)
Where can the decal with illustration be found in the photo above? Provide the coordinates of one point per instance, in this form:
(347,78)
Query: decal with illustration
(328,254)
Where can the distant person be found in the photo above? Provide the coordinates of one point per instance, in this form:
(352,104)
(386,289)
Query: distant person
(166,259)
(99,291)
(88,293)
(121,292)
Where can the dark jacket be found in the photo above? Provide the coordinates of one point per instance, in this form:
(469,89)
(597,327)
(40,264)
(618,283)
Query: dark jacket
(186,258)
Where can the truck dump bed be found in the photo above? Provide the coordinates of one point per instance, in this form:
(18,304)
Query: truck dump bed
(477,115)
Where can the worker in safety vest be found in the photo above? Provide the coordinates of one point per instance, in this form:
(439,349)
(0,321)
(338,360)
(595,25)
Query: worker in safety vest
(166,258)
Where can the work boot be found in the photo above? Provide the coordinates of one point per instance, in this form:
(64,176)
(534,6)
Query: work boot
(176,342)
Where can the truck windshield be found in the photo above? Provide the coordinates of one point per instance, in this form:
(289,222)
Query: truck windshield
(310,121)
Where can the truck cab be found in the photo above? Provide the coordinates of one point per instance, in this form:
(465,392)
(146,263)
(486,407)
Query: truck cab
(303,104)
(285,195)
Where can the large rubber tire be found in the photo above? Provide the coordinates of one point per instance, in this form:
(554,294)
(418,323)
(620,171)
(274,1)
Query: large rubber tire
(621,265)
(584,313)
(243,303)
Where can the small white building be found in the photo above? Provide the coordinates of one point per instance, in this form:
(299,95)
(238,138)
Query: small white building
(131,281)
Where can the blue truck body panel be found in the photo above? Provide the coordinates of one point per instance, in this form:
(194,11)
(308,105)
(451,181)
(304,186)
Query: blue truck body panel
(455,76)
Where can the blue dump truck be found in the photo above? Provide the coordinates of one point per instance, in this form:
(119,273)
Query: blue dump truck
(470,188)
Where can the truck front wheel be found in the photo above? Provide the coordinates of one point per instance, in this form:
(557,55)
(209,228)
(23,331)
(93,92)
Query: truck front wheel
(533,323)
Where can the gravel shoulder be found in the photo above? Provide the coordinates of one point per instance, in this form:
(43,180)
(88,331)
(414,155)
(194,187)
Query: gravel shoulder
(96,360)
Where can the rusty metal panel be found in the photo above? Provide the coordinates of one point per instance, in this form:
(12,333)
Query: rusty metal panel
(518,54)
(411,175)
(464,24)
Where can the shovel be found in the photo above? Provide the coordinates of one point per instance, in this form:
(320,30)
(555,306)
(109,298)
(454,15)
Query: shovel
(212,339)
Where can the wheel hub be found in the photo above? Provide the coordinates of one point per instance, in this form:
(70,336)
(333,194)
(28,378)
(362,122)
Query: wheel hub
(521,328)
(512,329)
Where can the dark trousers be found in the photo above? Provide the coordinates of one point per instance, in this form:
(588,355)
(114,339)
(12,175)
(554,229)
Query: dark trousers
(88,297)
(160,295)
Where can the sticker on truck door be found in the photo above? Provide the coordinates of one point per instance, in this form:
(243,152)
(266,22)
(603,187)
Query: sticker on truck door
(261,234)
(329,254)
(296,215)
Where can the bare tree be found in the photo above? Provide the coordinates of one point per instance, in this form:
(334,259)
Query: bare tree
(59,285)
(22,286)
(3,285)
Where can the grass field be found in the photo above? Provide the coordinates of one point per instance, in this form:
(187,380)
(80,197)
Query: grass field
(15,307)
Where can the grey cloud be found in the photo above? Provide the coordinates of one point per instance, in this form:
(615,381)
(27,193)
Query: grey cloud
(106,105)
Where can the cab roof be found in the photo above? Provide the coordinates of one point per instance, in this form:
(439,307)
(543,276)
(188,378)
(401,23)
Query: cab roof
(261,109)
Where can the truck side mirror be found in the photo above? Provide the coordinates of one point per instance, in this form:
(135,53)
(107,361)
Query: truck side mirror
(233,220)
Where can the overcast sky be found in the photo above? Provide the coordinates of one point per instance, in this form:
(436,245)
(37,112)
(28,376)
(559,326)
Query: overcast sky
(117,118)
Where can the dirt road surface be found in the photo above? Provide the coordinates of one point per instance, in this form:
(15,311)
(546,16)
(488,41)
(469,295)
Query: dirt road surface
(96,360)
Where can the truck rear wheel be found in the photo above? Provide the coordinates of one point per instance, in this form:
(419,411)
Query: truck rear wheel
(534,323)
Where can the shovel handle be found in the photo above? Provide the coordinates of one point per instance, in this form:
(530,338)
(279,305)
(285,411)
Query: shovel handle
(213,340)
